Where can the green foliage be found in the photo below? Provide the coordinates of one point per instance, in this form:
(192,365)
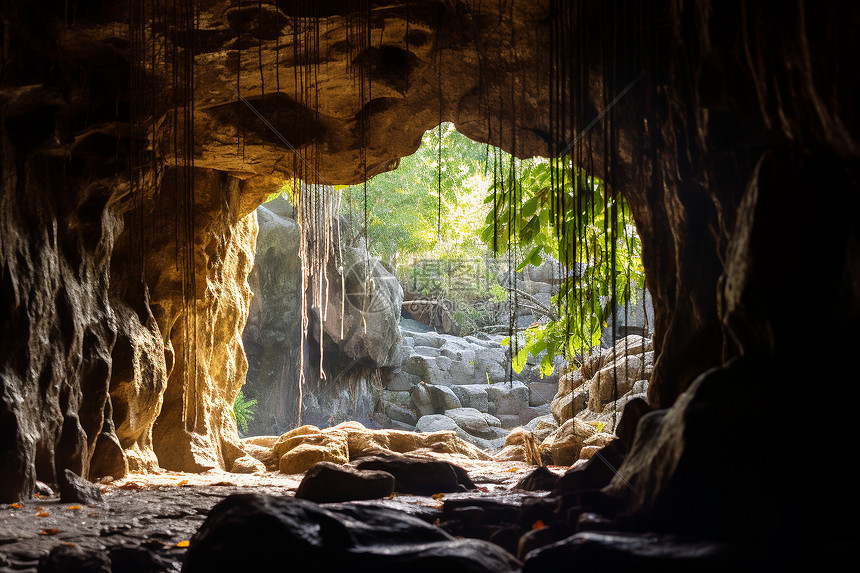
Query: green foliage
(244,411)
(546,207)
(404,229)
(403,205)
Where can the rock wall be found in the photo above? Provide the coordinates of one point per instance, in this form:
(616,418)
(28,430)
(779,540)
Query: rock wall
(58,233)
(274,323)
(360,332)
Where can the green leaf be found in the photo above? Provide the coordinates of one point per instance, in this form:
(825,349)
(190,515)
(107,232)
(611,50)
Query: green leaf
(546,366)
(519,361)
(529,207)
(527,260)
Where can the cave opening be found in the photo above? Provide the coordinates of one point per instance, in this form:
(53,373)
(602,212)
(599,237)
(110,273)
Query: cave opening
(432,248)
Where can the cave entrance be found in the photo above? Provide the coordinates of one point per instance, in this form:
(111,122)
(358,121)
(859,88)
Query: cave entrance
(464,290)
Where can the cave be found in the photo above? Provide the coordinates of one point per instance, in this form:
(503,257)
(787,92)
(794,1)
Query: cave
(138,138)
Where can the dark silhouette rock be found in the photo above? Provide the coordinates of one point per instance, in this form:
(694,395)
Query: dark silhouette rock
(328,482)
(540,479)
(309,536)
(75,559)
(75,488)
(634,552)
(420,476)
(633,410)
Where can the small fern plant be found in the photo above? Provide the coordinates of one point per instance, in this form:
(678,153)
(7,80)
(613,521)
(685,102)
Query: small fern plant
(243,411)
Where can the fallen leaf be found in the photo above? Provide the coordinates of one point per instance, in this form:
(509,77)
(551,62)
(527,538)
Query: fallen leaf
(131,486)
(38,509)
(43,514)
(16,505)
(52,531)
(438,495)
(74,507)
(391,496)
(539,524)
(514,470)
(68,543)
(182,483)
(93,514)
(483,489)
(184,543)
(42,496)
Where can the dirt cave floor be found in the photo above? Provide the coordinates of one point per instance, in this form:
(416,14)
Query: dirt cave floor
(152,517)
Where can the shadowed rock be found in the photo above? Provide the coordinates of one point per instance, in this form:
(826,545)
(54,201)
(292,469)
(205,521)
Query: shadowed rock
(310,537)
(328,482)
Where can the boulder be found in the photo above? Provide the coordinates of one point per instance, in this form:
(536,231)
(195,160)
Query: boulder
(613,381)
(307,434)
(472,396)
(427,369)
(565,443)
(472,421)
(520,446)
(398,398)
(529,413)
(509,421)
(303,457)
(436,423)
(343,537)
(247,465)
(564,407)
(570,381)
(74,488)
(402,381)
(614,551)
(542,427)
(633,410)
(541,392)
(594,473)
(422,400)
(400,414)
(327,482)
(540,479)
(420,476)
(370,327)
(509,397)
(442,398)
(263,454)
(72,559)
(435,314)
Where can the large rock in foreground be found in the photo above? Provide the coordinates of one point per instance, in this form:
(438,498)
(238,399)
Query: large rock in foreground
(258,533)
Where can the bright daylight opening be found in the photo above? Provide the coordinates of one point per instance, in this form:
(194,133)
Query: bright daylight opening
(443,303)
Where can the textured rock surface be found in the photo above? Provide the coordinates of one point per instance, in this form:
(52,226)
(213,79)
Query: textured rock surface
(327,482)
(340,537)
(274,321)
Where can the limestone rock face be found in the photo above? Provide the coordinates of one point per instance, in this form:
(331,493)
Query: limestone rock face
(349,388)
(205,359)
(599,389)
(369,328)
(271,337)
